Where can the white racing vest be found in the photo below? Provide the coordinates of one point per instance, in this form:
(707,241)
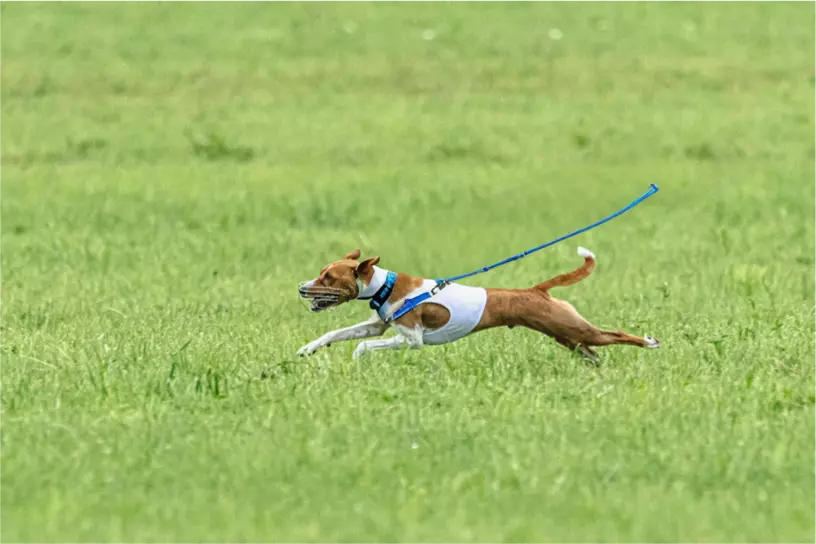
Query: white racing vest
(466,305)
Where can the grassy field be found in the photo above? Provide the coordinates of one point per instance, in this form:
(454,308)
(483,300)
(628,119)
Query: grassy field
(170,172)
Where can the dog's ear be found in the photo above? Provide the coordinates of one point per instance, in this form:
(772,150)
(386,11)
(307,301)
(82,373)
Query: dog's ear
(364,267)
(354,255)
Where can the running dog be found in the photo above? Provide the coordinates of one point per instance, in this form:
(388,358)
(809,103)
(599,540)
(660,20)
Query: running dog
(453,312)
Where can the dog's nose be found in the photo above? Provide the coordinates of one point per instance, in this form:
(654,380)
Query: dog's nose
(303,288)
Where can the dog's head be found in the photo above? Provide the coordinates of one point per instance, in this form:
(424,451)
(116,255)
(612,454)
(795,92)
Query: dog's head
(338,282)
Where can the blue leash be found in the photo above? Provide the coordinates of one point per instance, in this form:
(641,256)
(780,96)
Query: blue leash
(413,302)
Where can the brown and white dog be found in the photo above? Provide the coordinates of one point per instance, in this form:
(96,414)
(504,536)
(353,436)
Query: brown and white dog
(455,311)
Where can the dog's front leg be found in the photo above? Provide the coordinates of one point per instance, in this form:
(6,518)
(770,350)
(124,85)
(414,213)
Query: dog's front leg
(366,329)
(410,338)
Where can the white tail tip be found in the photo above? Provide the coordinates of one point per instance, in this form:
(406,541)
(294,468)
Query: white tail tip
(584,252)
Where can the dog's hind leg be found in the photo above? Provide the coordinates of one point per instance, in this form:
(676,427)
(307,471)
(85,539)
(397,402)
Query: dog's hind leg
(607,338)
(589,353)
(572,330)
(583,351)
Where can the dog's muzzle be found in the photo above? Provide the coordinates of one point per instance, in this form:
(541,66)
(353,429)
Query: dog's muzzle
(322,297)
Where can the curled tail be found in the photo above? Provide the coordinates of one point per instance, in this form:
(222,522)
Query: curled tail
(562,280)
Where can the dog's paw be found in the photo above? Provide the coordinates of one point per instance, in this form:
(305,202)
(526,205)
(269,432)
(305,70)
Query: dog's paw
(359,351)
(651,342)
(309,348)
(589,355)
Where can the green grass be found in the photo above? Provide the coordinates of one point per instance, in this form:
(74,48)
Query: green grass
(172,171)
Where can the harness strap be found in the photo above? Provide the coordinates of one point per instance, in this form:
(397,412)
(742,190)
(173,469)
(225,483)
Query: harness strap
(413,302)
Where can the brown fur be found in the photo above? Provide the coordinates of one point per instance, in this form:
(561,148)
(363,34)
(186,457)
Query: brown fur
(536,309)
(404,285)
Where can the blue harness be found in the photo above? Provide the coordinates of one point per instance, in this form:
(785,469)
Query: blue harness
(384,292)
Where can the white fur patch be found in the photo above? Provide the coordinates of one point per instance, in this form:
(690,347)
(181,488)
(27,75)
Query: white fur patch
(584,252)
(413,336)
(651,342)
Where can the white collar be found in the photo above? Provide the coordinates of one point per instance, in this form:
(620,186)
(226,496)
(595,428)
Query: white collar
(377,281)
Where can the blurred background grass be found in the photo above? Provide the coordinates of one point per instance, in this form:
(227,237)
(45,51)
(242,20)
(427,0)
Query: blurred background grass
(171,171)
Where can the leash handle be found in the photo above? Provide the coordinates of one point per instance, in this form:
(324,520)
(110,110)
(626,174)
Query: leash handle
(652,190)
